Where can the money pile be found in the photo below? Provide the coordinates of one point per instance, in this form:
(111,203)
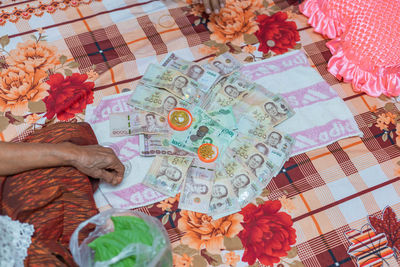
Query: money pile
(229,111)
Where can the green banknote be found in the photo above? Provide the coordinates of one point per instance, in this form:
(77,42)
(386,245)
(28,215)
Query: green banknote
(204,129)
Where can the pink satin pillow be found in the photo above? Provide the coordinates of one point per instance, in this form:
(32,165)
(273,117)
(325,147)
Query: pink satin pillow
(366,41)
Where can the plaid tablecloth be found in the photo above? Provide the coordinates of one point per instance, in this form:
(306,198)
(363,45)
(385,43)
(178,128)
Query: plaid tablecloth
(341,200)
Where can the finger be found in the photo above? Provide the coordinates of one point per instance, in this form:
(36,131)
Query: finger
(222,3)
(207,6)
(215,6)
(109,177)
(117,167)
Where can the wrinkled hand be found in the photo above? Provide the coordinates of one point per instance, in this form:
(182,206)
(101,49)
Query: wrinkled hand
(100,162)
(211,6)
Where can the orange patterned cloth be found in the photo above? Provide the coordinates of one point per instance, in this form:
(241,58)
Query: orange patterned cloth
(54,200)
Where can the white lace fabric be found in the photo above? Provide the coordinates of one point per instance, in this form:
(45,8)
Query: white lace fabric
(15,239)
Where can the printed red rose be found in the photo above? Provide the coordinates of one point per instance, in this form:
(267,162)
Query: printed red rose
(68,96)
(267,234)
(275,33)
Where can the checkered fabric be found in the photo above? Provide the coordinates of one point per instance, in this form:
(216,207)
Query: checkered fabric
(334,189)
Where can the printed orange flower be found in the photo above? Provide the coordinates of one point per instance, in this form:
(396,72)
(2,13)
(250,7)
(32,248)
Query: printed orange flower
(40,30)
(31,119)
(381,125)
(207,50)
(172,200)
(182,261)
(164,205)
(92,75)
(202,232)
(383,118)
(19,86)
(249,49)
(232,22)
(390,116)
(287,204)
(198,10)
(33,56)
(231,258)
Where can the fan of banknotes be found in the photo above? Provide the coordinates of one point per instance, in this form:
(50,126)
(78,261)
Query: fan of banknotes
(234,115)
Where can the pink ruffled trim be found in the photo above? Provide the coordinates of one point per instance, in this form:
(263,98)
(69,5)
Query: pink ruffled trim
(384,80)
(320,21)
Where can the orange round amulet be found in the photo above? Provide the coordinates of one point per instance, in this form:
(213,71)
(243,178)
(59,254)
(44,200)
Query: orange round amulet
(180,119)
(207,152)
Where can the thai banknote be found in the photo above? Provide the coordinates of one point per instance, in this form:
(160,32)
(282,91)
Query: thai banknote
(265,108)
(196,190)
(231,92)
(203,130)
(224,64)
(136,122)
(174,81)
(167,173)
(153,145)
(268,135)
(155,100)
(245,184)
(205,77)
(225,117)
(256,162)
(224,200)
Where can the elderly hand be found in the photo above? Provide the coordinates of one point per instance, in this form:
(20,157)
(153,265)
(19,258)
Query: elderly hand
(211,6)
(99,162)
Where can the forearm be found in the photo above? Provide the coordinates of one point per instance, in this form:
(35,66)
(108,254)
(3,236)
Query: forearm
(19,157)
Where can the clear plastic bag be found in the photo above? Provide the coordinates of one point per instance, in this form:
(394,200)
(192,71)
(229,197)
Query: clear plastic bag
(157,255)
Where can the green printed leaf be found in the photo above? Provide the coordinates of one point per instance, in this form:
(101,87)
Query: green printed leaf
(62,59)
(250,39)
(73,64)
(4,40)
(185,249)
(3,123)
(199,261)
(292,252)
(37,107)
(233,243)
(68,72)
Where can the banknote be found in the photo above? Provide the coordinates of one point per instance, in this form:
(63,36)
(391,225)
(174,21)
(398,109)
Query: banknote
(224,200)
(232,91)
(136,122)
(270,136)
(224,64)
(265,108)
(225,117)
(257,163)
(245,184)
(155,100)
(203,130)
(205,77)
(167,173)
(153,145)
(196,190)
(174,81)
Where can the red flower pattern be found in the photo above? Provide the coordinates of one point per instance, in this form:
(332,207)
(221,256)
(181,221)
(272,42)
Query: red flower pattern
(267,234)
(276,34)
(68,96)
